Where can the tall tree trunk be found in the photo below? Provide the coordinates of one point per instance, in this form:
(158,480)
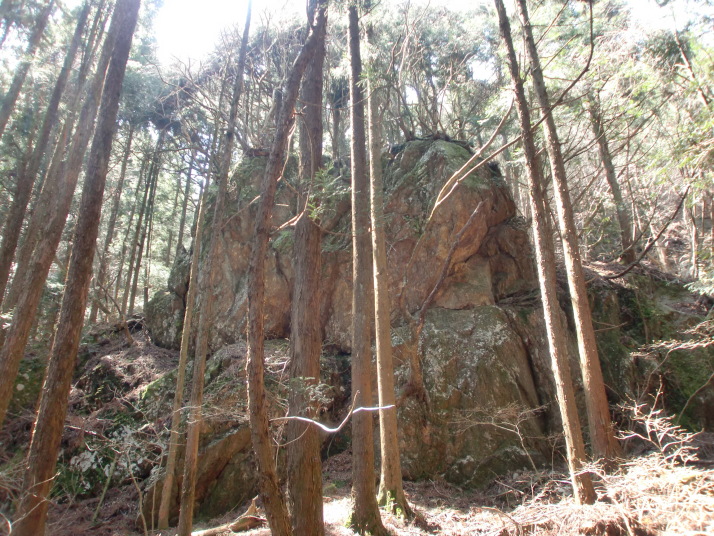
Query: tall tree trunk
(623,215)
(271,494)
(57,188)
(364,517)
(30,287)
(41,460)
(207,291)
(53,191)
(602,437)
(175,437)
(304,466)
(391,490)
(148,212)
(28,175)
(134,244)
(102,291)
(184,206)
(10,98)
(584,491)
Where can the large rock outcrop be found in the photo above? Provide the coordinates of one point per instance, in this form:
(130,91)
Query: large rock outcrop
(491,262)
(486,405)
(479,417)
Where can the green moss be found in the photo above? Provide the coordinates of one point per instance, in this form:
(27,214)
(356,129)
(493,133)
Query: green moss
(284,241)
(27,385)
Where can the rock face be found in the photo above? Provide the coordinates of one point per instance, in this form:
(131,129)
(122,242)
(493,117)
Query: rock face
(478,372)
(486,405)
(491,262)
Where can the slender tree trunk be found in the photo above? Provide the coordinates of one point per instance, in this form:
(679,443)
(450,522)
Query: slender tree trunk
(208,290)
(602,437)
(134,244)
(175,437)
(58,186)
(184,206)
(364,517)
(104,258)
(271,494)
(623,216)
(149,249)
(28,175)
(391,491)
(147,213)
(31,513)
(32,284)
(10,98)
(584,491)
(304,466)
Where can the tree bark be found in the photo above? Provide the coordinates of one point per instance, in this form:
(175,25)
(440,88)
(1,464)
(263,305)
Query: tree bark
(271,494)
(304,466)
(29,288)
(10,98)
(175,436)
(364,517)
(31,513)
(391,490)
(104,258)
(147,214)
(57,188)
(602,437)
(28,175)
(184,206)
(584,491)
(623,216)
(134,242)
(208,290)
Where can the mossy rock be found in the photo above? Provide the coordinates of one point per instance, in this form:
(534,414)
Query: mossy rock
(27,385)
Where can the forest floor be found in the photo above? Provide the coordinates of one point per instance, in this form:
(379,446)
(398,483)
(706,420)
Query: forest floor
(651,494)
(665,486)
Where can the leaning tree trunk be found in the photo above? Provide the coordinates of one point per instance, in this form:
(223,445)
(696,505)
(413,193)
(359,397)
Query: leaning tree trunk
(26,179)
(30,287)
(271,494)
(623,215)
(584,491)
(10,97)
(57,187)
(31,512)
(365,517)
(602,436)
(304,466)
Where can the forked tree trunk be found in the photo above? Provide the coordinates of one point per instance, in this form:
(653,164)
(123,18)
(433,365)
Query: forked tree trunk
(584,491)
(29,288)
(26,179)
(10,98)
(271,494)
(364,517)
(188,491)
(391,490)
(602,436)
(304,466)
(31,512)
